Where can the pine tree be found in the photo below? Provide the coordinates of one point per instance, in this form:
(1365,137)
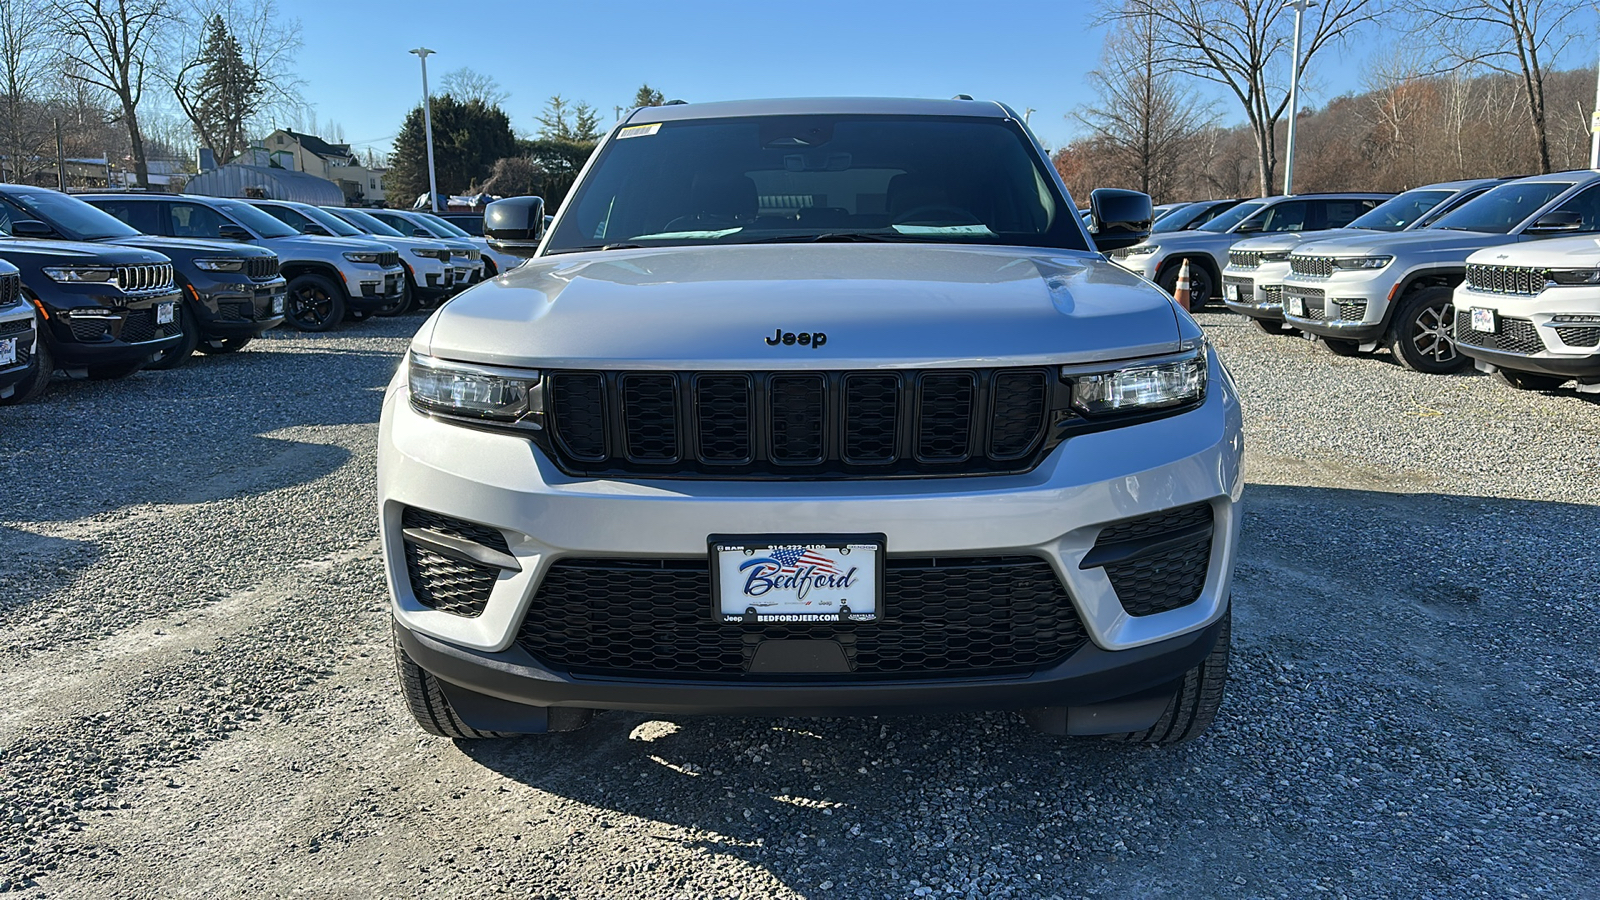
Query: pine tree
(226,95)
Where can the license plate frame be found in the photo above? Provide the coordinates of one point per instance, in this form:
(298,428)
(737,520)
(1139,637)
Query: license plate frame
(1231,292)
(166,313)
(1294,305)
(8,352)
(812,602)
(278,304)
(1484,320)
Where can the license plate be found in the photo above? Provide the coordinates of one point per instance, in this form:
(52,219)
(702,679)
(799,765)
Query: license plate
(1231,292)
(797,579)
(1483,320)
(277,305)
(165,312)
(1297,306)
(8,352)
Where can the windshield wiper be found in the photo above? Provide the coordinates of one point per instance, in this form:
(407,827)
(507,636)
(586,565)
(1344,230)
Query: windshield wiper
(829,237)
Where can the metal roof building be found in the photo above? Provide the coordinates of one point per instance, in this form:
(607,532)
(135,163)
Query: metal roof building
(265,183)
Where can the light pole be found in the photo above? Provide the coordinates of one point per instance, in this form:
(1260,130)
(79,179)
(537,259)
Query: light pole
(1300,7)
(1594,125)
(427,127)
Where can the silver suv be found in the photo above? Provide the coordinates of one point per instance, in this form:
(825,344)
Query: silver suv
(813,407)
(1361,292)
(1161,257)
(329,278)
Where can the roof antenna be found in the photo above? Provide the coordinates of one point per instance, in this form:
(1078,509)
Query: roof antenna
(962,97)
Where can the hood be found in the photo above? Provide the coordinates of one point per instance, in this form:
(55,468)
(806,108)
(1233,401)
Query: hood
(406,243)
(339,244)
(1553,253)
(51,252)
(189,246)
(1422,243)
(878,305)
(1288,240)
(1175,241)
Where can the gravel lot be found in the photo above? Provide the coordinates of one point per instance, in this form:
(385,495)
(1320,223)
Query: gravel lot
(200,700)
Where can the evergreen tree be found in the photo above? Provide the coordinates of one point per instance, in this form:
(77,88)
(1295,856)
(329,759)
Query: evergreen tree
(468,137)
(220,92)
(648,96)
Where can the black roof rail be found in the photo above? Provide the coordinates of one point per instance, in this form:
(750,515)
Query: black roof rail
(676,103)
(962,97)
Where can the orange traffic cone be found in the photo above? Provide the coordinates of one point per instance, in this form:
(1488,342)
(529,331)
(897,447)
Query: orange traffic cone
(1180,291)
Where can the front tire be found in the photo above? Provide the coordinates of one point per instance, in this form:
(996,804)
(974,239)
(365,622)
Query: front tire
(1199,697)
(402,305)
(1200,283)
(428,704)
(179,353)
(44,365)
(1528,381)
(1422,335)
(314,303)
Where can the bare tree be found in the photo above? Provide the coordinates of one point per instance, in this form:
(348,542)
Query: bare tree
(1515,37)
(465,85)
(25,56)
(111,44)
(1243,45)
(1144,118)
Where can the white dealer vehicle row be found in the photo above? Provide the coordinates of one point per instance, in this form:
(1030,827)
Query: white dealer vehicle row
(1531,313)
(1252,284)
(813,407)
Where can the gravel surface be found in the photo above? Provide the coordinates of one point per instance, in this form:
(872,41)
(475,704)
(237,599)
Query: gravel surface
(200,697)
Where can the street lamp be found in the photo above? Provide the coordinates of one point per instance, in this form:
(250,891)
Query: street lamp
(423,53)
(1299,7)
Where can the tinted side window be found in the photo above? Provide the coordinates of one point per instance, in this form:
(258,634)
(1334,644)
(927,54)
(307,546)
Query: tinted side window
(287,216)
(142,215)
(1339,213)
(10,212)
(194,220)
(395,222)
(1586,204)
(1289,216)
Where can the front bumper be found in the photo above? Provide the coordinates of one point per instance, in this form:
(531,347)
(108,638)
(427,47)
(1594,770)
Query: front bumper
(1144,265)
(1257,292)
(1527,338)
(88,330)
(1055,512)
(1350,305)
(17,331)
(240,309)
(372,287)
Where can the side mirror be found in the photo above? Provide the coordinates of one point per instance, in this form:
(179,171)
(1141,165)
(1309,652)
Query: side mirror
(232,233)
(1248,226)
(1550,223)
(515,225)
(420,232)
(30,228)
(315,229)
(1119,218)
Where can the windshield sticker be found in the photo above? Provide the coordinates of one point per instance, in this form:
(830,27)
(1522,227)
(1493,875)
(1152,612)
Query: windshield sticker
(942,229)
(633,131)
(687,235)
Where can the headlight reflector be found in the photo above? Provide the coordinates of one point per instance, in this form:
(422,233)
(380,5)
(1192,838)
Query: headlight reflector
(1143,249)
(1361,262)
(1574,276)
(430,254)
(81,274)
(1144,385)
(220,264)
(362,256)
(478,392)
(1274,255)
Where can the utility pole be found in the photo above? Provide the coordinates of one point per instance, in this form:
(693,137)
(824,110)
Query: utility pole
(1594,124)
(61,160)
(427,127)
(1299,7)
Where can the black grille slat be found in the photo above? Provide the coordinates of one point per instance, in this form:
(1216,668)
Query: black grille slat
(1514,335)
(140,325)
(942,618)
(724,416)
(578,410)
(445,583)
(1507,279)
(650,417)
(872,408)
(88,329)
(1315,266)
(10,289)
(1578,336)
(1245,259)
(944,413)
(798,411)
(1017,411)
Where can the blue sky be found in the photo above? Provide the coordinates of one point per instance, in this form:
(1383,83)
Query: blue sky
(1027,54)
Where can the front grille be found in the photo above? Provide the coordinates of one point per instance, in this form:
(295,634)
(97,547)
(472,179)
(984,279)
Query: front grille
(1245,259)
(388,258)
(152,277)
(1351,310)
(88,329)
(1166,576)
(782,424)
(943,617)
(235,312)
(10,289)
(1121,253)
(16,326)
(1313,298)
(1317,266)
(1575,336)
(1514,336)
(1269,295)
(1506,279)
(139,325)
(262,268)
(1245,286)
(445,583)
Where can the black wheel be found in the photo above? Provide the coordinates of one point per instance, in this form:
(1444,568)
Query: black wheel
(224,345)
(1341,347)
(1422,333)
(1528,381)
(1273,326)
(490,270)
(44,365)
(314,303)
(113,372)
(179,353)
(403,305)
(1199,697)
(1200,283)
(427,702)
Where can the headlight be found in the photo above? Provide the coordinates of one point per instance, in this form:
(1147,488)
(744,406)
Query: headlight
(1143,249)
(1146,385)
(1574,276)
(81,274)
(430,254)
(464,254)
(1274,255)
(477,392)
(362,256)
(1361,262)
(220,265)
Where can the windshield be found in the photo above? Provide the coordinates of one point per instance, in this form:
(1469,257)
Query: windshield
(364,221)
(1232,217)
(823,177)
(329,221)
(72,217)
(1399,213)
(255,220)
(1179,219)
(438,225)
(1502,209)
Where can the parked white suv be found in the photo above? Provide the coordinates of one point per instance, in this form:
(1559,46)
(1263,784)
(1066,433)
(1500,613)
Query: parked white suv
(1530,313)
(328,277)
(1361,292)
(425,225)
(22,374)
(1252,284)
(432,289)
(838,411)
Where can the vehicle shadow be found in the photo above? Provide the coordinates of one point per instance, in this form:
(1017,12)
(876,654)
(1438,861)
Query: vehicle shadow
(36,564)
(1385,646)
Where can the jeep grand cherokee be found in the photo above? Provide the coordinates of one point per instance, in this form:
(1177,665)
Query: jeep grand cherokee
(813,407)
